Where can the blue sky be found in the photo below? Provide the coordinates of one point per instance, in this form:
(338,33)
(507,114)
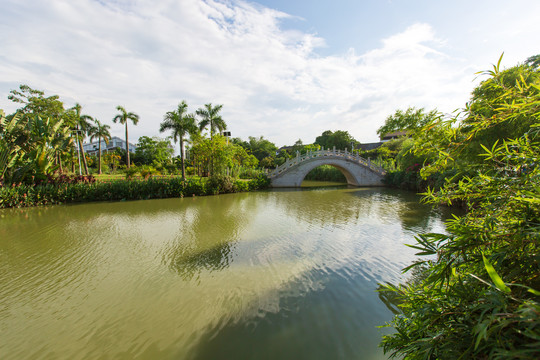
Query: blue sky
(286,70)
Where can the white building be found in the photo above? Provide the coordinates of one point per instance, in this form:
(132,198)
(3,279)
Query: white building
(115,142)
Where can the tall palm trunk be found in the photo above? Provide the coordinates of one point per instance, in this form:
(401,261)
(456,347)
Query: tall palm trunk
(182,159)
(127,147)
(85,164)
(99,156)
(72,160)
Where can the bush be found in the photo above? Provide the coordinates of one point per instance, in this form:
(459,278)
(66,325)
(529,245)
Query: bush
(146,171)
(130,173)
(219,184)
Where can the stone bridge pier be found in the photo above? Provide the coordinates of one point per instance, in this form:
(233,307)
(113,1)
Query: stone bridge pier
(357,171)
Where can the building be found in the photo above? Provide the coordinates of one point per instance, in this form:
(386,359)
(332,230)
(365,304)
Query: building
(394,135)
(115,142)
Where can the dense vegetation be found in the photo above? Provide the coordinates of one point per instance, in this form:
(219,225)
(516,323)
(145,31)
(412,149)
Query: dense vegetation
(476,294)
(86,189)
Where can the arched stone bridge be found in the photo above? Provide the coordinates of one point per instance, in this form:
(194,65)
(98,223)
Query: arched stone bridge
(357,170)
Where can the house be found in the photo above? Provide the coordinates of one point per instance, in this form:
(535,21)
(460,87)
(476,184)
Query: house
(115,142)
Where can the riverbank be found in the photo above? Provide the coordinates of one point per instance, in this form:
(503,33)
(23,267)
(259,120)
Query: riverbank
(23,195)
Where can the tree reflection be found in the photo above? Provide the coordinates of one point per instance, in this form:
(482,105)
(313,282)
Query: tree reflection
(207,242)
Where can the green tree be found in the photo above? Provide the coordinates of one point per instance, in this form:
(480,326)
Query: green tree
(36,103)
(123,118)
(181,124)
(340,139)
(408,120)
(261,147)
(153,151)
(99,131)
(211,118)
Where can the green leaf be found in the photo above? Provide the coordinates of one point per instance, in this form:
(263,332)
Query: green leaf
(495,277)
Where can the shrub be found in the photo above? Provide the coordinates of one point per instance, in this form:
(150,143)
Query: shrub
(130,173)
(146,171)
(219,184)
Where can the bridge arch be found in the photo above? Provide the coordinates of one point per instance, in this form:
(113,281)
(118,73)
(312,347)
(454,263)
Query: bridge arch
(357,171)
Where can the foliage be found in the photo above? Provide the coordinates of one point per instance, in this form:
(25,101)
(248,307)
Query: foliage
(28,146)
(153,150)
(99,131)
(181,125)
(476,295)
(216,156)
(211,118)
(123,118)
(36,103)
(23,195)
(408,120)
(340,139)
(146,171)
(258,147)
(112,160)
(131,172)
(219,184)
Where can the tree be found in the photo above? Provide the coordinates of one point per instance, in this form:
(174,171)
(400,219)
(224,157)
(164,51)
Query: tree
(36,103)
(340,139)
(260,147)
(81,124)
(408,120)
(153,151)
(123,118)
(211,118)
(99,131)
(181,125)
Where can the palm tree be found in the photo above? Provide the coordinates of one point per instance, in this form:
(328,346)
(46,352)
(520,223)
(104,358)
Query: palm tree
(181,124)
(81,124)
(100,131)
(123,118)
(210,117)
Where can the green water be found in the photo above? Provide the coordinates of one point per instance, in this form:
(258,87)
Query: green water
(267,275)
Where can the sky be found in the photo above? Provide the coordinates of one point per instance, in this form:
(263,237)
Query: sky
(282,69)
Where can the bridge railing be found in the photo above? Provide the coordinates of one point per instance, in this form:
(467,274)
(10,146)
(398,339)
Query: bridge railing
(300,158)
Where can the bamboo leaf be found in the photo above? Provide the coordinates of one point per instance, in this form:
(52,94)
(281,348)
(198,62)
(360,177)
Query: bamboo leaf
(499,283)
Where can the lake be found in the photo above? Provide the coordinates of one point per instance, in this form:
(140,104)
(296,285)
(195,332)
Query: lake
(287,274)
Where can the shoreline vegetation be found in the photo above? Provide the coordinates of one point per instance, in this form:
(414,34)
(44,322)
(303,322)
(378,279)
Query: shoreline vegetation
(87,189)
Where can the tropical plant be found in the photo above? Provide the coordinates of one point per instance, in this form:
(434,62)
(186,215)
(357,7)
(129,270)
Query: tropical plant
(123,118)
(476,295)
(181,124)
(99,131)
(210,118)
(28,146)
(9,150)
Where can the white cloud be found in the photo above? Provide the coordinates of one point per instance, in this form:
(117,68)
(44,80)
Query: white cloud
(148,56)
